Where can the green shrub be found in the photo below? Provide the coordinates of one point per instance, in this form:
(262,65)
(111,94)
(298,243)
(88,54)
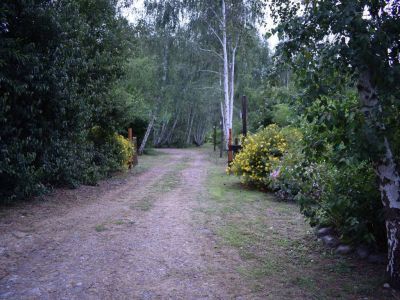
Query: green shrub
(346,198)
(343,195)
(291,165)
(282,114)
(59,61)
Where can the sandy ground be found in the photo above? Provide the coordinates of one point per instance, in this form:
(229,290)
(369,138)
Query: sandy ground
(132,237)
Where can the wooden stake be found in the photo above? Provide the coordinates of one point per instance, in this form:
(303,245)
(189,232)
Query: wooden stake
(130,134)
(230,154)
(215,137)
(134,161)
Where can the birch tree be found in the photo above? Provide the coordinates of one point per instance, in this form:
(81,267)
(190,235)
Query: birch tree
(223,25)
(361,37)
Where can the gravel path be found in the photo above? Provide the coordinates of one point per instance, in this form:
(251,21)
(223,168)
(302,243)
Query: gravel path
(134,237)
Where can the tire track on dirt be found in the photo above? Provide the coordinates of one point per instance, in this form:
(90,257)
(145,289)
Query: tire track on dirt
(159,252)
(41,243)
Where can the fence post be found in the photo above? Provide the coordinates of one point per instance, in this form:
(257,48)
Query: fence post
(215,137)
(130,134)
(133,140)
(230,154)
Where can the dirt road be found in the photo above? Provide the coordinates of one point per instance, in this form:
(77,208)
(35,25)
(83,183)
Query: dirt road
(175,227)
(132,237)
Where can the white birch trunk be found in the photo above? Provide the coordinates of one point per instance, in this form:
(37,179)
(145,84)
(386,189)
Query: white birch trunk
(232,85)
(188,139)
(227,100)
(160,136)
(388,175)
(169,136)
(223,117)
(147,134)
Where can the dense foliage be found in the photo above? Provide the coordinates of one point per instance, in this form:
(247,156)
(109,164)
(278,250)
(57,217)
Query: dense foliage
(342,195)
(332,55)
(60,61)
(325,166)
(339,49)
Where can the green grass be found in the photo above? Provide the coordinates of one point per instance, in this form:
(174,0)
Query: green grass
(144,204)
(234,235)
(170,181)
(280,254)
(151,158)
(100,228)
(152,152)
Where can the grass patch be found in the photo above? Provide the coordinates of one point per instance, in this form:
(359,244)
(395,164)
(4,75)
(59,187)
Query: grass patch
(167,183)
(152,152)
(146,162)
(144,204)
(171,180)
(100,228)
(341,267)
(304,282)
(267,268)
(234,235)
(280,256)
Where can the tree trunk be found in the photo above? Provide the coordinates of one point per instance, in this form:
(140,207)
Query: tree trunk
(221,150)
(188,125)
(169,136)
(388,175)
(232,87)
(199,135)
(227,109)
(160,136)
(146,136)
(190,129)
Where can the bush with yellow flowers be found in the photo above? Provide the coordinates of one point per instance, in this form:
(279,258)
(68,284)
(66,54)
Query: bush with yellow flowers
(112,152)
(258,161)
(125,150)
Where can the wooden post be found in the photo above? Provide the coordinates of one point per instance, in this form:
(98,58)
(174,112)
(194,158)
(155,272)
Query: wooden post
(133,140)
(215,137)
(221,150)
(244,115)
(230,154)
(130,134)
